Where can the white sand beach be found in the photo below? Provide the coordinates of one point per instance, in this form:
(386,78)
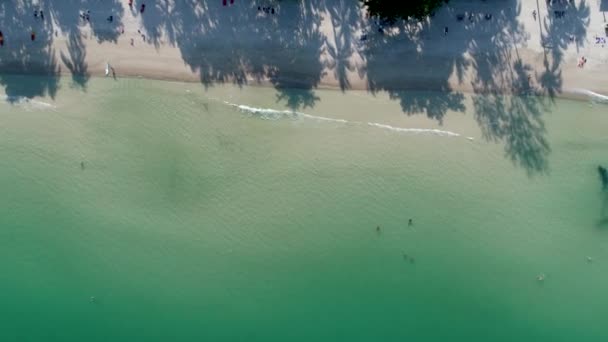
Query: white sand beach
(498,46)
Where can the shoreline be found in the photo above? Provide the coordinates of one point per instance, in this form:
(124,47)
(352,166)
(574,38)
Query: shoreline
(576,94)
(506,55)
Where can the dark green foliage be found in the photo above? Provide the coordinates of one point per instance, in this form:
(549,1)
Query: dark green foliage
(393,10)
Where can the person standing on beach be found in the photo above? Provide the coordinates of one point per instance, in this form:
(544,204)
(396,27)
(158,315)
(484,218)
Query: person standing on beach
(445,31)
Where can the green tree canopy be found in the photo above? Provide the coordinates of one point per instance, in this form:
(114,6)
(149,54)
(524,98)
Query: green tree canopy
(401,9)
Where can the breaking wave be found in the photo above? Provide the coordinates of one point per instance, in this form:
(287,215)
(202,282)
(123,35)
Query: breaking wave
(415,130)
(592,95)
(273,114)
(24,101)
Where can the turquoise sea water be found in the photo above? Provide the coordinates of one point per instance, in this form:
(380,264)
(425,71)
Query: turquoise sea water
(150,211)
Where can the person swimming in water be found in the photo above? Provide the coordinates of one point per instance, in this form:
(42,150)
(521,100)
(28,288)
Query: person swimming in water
(82,165)
(410,222)
(378,229)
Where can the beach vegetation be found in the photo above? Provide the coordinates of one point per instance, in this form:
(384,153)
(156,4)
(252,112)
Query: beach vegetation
(392,10)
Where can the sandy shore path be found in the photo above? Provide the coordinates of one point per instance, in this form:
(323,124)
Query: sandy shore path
(499,46)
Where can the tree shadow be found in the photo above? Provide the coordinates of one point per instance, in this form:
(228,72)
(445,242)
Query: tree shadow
(297,70)
(517,122)
(345,16)
(205,37)
(75,61)
(514,120)
(21,55)
(482,45)
(66,16)
(496,63)
(561,31)
(408,48)
(158,22)
(209,37)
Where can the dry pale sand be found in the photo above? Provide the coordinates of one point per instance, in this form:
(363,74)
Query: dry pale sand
(315,44)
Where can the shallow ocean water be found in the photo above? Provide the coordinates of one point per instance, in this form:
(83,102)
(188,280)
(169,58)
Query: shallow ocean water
(144,210)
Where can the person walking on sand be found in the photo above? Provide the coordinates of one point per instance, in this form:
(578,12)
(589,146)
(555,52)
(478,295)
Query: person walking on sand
(445,31)
(534,14)
(33,36)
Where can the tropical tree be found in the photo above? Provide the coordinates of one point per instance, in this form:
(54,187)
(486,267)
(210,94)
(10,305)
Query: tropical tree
(392,10)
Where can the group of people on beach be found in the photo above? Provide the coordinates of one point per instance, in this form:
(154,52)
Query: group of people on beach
(32,34)
(267,10)
(86,15)
(560,2)
(39,14)
(142,7)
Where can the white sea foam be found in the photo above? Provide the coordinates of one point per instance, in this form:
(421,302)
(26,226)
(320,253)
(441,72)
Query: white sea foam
(24,101)
(415,130)
(593,95)
(273,114)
